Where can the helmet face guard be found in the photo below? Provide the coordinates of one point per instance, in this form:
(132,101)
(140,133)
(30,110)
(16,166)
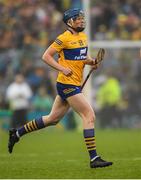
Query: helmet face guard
(81,14)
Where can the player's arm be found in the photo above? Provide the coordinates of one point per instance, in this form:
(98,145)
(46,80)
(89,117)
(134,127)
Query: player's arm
(48,58)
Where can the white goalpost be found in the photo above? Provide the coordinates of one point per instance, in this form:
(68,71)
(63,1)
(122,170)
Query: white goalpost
(87,89)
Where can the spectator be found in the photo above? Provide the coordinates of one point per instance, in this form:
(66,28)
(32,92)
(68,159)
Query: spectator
(109,98)
(18,95)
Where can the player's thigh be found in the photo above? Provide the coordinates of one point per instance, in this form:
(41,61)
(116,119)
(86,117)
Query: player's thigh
(59,107)
(80,104)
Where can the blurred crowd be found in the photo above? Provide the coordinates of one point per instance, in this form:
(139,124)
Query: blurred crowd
(27,27)
(115,19)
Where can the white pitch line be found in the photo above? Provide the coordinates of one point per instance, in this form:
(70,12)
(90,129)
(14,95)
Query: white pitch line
(19,155)
(128,159)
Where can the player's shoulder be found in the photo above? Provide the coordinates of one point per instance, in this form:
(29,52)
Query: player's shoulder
(63,35)
(60,39)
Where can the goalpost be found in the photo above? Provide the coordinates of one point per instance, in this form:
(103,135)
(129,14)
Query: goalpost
(87,89)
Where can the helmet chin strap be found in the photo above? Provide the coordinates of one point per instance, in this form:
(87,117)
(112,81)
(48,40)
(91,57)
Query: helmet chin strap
(78,29)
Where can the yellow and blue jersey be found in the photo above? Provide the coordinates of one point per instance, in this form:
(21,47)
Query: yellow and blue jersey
(72,50)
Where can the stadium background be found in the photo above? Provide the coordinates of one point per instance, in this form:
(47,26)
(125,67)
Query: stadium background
(27,27)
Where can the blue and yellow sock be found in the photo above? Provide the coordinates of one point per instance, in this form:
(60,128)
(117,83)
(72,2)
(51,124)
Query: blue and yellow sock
(31,126)
(89,137)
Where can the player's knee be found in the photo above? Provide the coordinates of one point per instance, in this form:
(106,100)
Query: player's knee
(90,121)
(90,117)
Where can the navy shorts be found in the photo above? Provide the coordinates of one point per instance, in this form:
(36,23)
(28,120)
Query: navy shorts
(67,90)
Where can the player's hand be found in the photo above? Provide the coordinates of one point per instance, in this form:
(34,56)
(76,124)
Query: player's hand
(95,66)
(67,71)
(91,62)
(96,63)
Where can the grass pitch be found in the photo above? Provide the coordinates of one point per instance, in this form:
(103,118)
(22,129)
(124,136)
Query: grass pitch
(59,154)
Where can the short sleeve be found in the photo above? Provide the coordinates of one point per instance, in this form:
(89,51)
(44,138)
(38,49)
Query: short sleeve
(59,43)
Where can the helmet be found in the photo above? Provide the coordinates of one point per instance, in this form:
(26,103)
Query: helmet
(72,13)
